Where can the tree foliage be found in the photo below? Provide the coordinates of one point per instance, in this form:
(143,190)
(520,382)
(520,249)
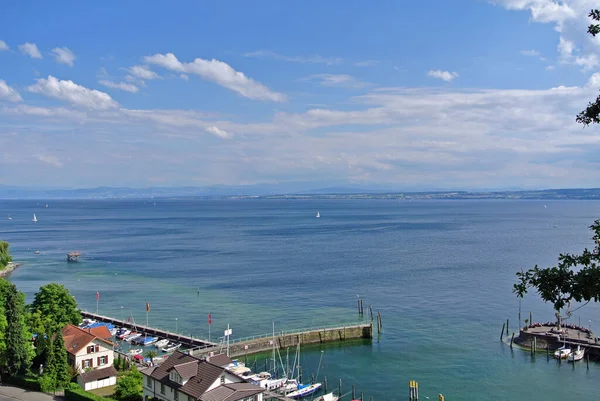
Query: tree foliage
(54,307)
(129,386)
(5,257)
(575,278)
(591,115)
(17,348)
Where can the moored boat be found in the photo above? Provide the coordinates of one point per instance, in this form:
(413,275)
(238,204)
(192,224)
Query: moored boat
(328,397)
(122,333)
(146,340)
(135,351)
(562,353)
(132,336)
(304,390)
(577,355)
(171,347)
(161,343)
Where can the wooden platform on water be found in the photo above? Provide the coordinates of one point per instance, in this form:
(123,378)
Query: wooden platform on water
(176,337)
(545,338)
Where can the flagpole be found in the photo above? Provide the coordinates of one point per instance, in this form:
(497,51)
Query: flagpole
(97,300)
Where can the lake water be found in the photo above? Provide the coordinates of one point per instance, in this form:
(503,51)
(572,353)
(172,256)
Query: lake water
(440,272)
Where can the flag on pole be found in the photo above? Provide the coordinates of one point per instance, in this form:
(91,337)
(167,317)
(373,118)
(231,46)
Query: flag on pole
(97,296)
(147,307)
(209,318)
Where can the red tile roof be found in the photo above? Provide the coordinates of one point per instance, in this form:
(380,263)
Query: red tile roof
(100,332)
(76,339)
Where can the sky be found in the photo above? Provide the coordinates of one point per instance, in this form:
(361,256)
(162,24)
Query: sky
(428,94)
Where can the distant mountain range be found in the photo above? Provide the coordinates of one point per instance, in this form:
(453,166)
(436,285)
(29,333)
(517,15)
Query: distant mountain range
(285,191)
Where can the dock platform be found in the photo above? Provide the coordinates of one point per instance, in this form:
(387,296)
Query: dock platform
(546,337)
(196,343)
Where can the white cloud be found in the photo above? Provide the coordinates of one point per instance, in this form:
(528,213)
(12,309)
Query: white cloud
(119,85)
(73,93)
(8,93)
(218,132)
(3,46)
(143,72)
(366,63)
(565,48)
(342,80)
(51,160)
(30,49)
(588,61)
(63,55)
(184,77)
(316,59)
(542,10)
(443,75)
(530,53)
(220,73)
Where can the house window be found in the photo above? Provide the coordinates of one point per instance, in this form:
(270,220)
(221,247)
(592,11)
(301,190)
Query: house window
(162,388)
(102,360)
(148,381)
(223,379)
(87,363)
(176,395)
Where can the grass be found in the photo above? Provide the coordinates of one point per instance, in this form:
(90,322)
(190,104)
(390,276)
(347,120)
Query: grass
(104,391)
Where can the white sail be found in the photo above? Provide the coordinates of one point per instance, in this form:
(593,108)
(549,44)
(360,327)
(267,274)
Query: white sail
(318,215)
(34,218)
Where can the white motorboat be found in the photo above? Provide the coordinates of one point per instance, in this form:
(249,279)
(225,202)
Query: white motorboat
(135,351)
(577,355)
(328,397)
(304,390)
(161,343)
(132,336)
(562,353)
(171,347)
(122,333)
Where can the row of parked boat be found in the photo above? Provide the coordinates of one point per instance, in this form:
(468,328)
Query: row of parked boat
(567,353)
(133,337)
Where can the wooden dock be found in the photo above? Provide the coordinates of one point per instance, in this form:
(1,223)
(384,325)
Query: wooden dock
(196,343)
(542,338)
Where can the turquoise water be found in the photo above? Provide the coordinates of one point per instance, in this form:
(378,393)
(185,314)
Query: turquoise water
(440,272)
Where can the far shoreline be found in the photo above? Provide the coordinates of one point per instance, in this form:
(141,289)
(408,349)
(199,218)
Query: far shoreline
(9,269)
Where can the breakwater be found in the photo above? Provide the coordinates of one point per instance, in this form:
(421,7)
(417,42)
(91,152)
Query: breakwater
(284,339)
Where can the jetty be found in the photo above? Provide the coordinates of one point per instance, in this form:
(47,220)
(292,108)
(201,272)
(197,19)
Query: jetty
(289,338)
(187,341)
(547,337)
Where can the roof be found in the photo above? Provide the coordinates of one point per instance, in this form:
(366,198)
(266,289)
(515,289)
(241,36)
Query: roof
(232,392)
(206,373)
(98,374)
(220,360)
(187,370)
(100,332)
(76,339)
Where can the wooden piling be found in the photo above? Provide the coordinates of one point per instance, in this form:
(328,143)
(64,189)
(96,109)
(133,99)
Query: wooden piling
(371,311)
(587,360)
(548,352)
(325,384)
(312,379)
(361,396)
(339,389)
(530,318)
(506,326)
(299,374)
(371,399)
(353,392)
(358,305)
(502,332)
(512,339)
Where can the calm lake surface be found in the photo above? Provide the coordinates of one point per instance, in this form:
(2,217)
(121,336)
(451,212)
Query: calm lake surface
(440,272)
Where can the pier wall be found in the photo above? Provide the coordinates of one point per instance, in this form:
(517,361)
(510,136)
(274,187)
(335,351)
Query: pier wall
(317,336)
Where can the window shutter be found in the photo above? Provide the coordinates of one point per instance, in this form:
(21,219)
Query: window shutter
(98,361)
(82,364)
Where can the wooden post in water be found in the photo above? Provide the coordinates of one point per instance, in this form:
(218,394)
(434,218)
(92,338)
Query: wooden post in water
(413,390)
(502,332)
(299,374)
(512,339)
(371,311)
(353,392)
(312,379)
(371,398)
(340,389)
(358,305)
(587,360)
(506,326)
(325,384)
(440,397)
(547,351)
(361,396)
(530,318)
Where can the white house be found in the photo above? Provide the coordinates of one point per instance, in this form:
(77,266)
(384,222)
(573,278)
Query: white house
(182,377)
(92,356)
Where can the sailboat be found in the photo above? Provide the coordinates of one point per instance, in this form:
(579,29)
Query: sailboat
(10,218)
(34,218)
(303,389)
(318,214)
(577,355)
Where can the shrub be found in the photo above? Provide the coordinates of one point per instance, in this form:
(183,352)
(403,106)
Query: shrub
(27,382)
(74,392)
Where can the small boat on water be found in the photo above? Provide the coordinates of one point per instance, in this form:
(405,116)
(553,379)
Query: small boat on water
(37,252)
(170,347)
(304,390)
(161,343)
(146,340)
(135,351)
(318,215)
(34,218)
(562,353)
(122,333)
(10,218)
(132,336)
(328,397)
(577,355)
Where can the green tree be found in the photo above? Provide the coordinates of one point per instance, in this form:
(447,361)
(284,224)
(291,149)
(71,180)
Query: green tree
(5,257)
(54,303)
(48,379)
(61,363)
(151,354)
(591,115)
(129,386)
(18,349)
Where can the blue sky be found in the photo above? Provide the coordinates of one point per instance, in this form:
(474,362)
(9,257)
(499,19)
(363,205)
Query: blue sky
(461,94)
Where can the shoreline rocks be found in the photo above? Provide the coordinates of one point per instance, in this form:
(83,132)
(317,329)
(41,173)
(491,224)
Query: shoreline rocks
(9,269)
